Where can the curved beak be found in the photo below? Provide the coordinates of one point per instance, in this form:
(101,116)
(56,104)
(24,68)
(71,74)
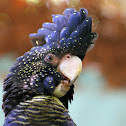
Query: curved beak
(70,68)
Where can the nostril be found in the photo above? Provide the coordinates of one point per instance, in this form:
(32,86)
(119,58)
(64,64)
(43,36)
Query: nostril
(68,56)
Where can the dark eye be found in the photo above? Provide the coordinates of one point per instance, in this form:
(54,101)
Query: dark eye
(49,58)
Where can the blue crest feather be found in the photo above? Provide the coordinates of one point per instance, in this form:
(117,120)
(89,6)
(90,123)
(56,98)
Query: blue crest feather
(71,25)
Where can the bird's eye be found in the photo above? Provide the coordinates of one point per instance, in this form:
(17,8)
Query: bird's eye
(49,58)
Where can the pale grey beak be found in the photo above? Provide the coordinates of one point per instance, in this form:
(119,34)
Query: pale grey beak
(71,69)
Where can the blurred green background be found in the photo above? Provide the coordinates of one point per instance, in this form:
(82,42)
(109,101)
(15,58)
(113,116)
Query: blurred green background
(100,91)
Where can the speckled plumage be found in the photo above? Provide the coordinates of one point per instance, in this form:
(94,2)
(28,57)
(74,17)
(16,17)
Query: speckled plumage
(33,75)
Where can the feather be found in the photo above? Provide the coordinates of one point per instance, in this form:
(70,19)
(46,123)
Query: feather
(65,33)
(44,31)
(60,21)
(83,14)
(50,26)
(73,21)
(53,37)
(68,11)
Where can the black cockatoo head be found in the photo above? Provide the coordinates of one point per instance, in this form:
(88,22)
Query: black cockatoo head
(55,61)
(70,35)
